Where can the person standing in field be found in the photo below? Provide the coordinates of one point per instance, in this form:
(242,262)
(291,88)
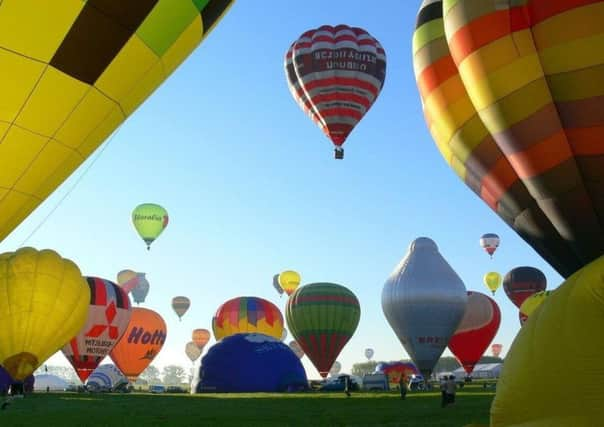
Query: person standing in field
(450,389)
(443,392)
(403,387)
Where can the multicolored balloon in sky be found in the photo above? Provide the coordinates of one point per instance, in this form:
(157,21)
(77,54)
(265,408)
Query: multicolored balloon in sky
(512,95)
(476,331)
(134,283)
(109,314)
(44,304)
(69,83)
(335,74)
(246,315)
(322,317)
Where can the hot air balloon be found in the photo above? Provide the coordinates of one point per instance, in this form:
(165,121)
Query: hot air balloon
(127,280)
(496,349)
(395,370)
(201,337)
(368,353)
(140,291)
(289,281)
(105,378)
(335,74)
(141,342)
(75,79)
(335,369)
(492,281)
(284,334)
(530,305)
(109,314)
(295,347)
(522,282)
(322,317)
(180,305)
(489,242)
(44,304)
(149,220)
(537,166)
(192,351)
(424,301)
(276,284)
(477,329)
(245,315)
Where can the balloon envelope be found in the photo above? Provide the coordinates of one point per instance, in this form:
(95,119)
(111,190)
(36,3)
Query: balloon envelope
(142,341)
(522,282)
(69,83)
(201,337)
(396,370)
(424,301)
(335,74)
(322,317)
(530,305)
(149,220)
(477,329)
(539,166)
(335,369)
(105,378)
(496,349)
(289,281)
(246,315)
(44,304)
(489,242)
(368,353)
(492,281)
(180,305)
(276,284)
(109,314)
(192,351)
(140,291)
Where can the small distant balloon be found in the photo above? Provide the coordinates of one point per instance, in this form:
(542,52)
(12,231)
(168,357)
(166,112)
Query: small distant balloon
(492,281)
(496,349)
(180,305)
(149,220)
(284,334)
(192,351)
(368,353)
(276,284)
(201,337)
(289,281)
(490,242)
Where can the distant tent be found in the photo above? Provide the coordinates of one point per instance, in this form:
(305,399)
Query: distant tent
(484,370)
(50,382)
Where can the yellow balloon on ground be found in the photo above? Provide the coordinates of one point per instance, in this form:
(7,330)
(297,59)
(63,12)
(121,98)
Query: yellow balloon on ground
(289,281)
(44,304)
(149,220)
(492,281)
(553,375)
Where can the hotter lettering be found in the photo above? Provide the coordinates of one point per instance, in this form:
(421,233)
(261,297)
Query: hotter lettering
(138,334)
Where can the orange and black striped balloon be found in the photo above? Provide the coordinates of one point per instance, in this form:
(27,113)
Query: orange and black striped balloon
(513,95)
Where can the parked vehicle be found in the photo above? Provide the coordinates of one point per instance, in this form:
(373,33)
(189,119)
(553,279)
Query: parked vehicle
(417,382)
(175,389)
(338,383)
(377,381)
(157,389)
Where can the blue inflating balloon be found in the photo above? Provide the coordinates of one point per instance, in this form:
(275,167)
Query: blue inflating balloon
(6,381)
(247,363)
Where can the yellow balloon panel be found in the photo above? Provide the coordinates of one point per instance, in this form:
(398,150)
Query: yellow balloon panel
(553,374)
(45,304)
(71,72)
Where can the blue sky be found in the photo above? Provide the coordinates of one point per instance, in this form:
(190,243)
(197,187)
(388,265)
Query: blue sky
(252,188)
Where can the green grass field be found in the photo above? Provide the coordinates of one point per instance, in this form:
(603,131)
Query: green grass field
(244,410)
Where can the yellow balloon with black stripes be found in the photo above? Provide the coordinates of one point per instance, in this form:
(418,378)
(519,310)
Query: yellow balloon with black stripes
(71,71)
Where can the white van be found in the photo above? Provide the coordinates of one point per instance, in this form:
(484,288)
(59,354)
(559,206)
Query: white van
(376,381)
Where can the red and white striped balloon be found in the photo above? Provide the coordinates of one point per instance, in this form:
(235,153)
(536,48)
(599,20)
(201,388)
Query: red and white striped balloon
(335,74)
